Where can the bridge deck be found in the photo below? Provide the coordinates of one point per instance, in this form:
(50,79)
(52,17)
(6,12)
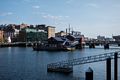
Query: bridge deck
(68,64)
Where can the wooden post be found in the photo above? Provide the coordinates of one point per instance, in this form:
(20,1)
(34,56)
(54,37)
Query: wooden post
(115,66)
(108,69)
(89,74)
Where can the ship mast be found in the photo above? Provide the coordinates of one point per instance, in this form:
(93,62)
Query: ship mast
(69,29)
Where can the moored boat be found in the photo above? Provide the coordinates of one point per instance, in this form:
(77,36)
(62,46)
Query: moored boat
(56,44)
(52,48)
(70,48)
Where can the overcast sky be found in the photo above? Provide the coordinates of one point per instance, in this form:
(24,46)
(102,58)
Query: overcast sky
(91,17)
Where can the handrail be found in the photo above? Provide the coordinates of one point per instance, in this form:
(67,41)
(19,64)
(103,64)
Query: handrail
(83,60)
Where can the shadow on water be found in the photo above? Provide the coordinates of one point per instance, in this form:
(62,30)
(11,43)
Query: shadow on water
(62,76)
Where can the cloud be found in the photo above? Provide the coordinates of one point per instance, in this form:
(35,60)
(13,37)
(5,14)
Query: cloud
(9,13)
(48,16)
(39,13)
(36,7)
(92,5)
(51,17)
(6,14)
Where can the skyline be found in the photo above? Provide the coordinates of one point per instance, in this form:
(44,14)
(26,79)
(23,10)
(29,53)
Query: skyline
(90,17)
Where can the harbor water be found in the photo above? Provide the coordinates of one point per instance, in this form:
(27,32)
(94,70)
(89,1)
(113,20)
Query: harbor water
(25,64)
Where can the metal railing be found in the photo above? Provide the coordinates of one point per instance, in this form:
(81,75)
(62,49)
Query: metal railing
(83,60)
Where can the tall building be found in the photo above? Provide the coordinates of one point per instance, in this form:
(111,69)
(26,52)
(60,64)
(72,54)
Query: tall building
(51,31)
(1,36)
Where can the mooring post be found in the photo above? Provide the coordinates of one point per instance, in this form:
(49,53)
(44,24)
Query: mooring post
(108,69)
(115,66)
(89,74)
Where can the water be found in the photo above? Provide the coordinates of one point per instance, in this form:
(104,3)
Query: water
(26,64)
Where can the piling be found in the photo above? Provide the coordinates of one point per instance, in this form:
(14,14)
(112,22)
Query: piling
(119,44)
(89,74)
(106,46)
(80,44)
(116,66)
(91,45)
(108,69)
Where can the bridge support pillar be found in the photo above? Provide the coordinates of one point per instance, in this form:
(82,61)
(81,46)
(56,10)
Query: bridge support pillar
(115,66)
(108,69)
(89,74)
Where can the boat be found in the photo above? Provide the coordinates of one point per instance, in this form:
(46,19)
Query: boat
(70,48)
(55,44)
(48,48)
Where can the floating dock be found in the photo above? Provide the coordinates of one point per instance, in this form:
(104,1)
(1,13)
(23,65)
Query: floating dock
(62,69)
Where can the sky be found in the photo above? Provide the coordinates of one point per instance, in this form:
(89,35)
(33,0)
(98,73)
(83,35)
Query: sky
(90,17)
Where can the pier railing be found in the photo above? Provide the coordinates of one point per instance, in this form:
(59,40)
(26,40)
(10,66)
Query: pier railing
(83,60)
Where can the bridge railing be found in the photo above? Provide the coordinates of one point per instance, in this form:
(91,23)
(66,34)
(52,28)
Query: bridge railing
(84,60)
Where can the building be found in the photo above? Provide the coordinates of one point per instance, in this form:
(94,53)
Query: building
(109,39)
(9,32)
(32,35)
(25,32)
(1,36)
(101,38)
(76,33)
(60,34)
(23,26)
(51,31)
(117,38)
(41,27)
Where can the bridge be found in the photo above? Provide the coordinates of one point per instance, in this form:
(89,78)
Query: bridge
(67,66)
(101,42)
